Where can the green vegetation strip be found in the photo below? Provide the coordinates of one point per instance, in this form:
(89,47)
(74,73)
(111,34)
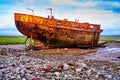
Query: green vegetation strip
(109,40)
(11,40)
(21,40)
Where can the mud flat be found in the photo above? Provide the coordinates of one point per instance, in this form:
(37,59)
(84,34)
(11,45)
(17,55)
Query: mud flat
(101,63)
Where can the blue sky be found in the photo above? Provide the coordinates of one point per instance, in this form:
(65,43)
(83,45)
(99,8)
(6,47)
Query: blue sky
(104,12)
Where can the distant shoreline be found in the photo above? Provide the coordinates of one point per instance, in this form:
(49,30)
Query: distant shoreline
(25,36)
(110,35)
(10,36)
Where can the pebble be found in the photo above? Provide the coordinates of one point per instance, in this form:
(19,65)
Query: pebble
(25,67)
(108,76)
(66,66)
(57,74)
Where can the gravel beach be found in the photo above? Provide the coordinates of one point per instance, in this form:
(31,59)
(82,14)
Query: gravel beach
(101,63)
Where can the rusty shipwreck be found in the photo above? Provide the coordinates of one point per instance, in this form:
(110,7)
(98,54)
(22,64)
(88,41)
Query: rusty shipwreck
(57,33)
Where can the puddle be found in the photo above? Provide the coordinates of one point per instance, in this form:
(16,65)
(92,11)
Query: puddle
(108,50)
(13,46)
(105,54)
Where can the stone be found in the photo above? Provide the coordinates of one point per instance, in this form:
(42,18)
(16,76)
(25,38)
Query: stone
(66,66)
(3,51)
(118,57)
(16,55)
(103,75)
(47,65)
(28,67)
(13,77)
(57,74)
(118,67)
(5,70)
(71,63)
(23,78)
(84,65)
(65,49)
(91,71)
(56,78)
(59,65)
(35,78)
(65,77)
(108,76)
(17,69)
(78,69)
(18,76)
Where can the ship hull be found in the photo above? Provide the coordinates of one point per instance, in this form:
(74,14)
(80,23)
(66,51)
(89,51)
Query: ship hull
(52,34)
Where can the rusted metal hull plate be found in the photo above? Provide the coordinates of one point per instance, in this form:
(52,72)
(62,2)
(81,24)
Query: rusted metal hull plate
(58,33)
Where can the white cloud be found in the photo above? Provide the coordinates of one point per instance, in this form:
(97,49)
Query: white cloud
(31,0)
(73,3)
(7,21)
(107,19)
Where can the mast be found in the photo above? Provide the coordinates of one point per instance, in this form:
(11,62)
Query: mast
(31,10)
(50,11)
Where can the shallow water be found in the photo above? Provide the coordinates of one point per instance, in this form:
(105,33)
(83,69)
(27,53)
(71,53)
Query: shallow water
(108,50)
(109,53)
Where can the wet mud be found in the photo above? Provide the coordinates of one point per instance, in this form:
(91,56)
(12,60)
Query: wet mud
(109,52)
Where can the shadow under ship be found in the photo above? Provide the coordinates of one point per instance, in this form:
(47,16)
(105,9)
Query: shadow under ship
(57,33)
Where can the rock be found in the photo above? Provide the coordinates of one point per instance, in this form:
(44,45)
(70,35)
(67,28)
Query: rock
(84,65)
(104,67)
(56,70)
(78,69)
(66,66)
(118,57)
(65,77)
(5,70)
(17,69)
(103,75)
(35,78)
(3,51)
(28,67)
(114,59)
(71,77)
(91,71)
(41,69)
(57,74)
(99,75)
(18,76)
(23,78)
(13,64)
(59,65)
(47,65)
(108,76)
(118,67)
(71,63)
(22,71)
(77,78)
(47,70)
(81,64)
(65,49)
(2,66)
(13,77)
(16,55)
(37,73)
(37,66)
